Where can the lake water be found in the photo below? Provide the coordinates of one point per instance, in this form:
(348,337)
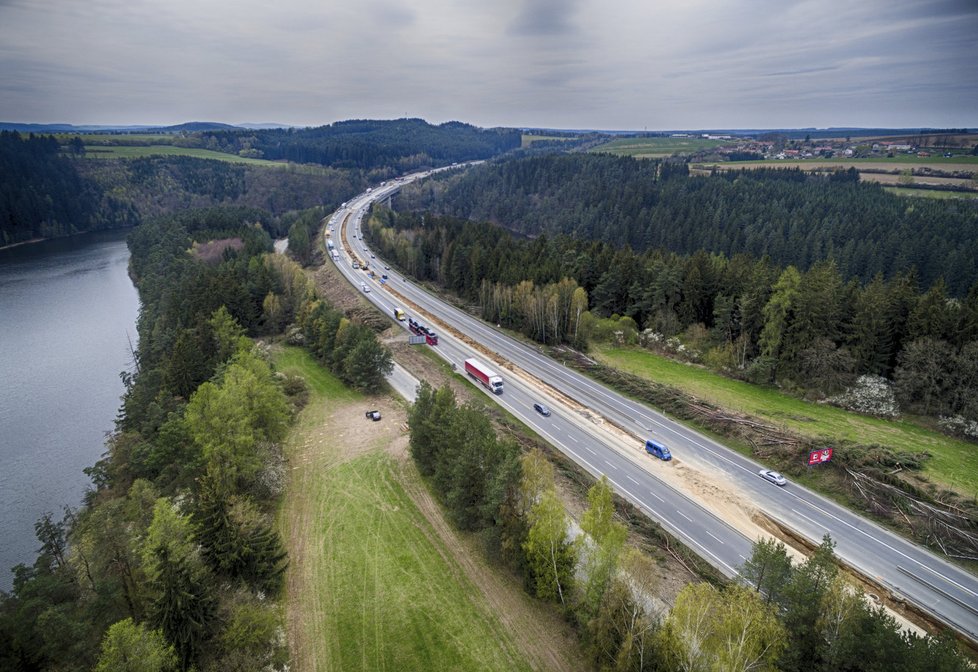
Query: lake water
(67,312)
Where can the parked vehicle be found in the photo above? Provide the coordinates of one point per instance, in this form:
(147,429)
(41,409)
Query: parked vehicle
(657,449)
(541,409)
(484,375)
(773,476)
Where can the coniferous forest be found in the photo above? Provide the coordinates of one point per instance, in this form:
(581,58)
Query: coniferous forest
(816,326)
(401,145)
(788,216)
(42,194)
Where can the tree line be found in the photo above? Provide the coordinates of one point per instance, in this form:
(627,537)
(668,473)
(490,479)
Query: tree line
(154,186)
(813,330)
(789,216)
(393,146)
(793,618)
(174,559)
(42,194)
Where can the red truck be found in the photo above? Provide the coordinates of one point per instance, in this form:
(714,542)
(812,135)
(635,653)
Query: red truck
(484,375)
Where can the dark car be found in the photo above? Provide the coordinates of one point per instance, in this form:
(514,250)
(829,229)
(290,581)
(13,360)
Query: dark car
(541,409)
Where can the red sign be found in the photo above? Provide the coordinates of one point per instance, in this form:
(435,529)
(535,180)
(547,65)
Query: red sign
(819,456)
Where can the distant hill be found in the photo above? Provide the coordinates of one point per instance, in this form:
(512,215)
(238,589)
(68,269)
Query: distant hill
(264,125)
(392,146)
(195,126)
(190,127)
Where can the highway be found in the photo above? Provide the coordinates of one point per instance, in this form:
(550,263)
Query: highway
(906,571)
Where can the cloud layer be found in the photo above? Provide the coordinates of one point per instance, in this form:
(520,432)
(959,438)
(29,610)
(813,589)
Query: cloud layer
(628,64)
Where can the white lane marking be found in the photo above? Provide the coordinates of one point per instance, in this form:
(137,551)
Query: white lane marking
(684,515)
(677,431)
(573,438)
(610,464)
(589,450)
(679,533)
(813,522)
(715,537)
(632,480)
(657,497)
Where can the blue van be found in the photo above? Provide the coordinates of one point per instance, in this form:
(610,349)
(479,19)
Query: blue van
(657,449)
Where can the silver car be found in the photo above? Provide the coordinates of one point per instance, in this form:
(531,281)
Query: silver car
(773,476)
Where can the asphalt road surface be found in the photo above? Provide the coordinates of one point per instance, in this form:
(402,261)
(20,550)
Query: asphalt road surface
(906,570)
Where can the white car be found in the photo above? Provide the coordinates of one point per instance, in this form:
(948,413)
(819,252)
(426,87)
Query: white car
(773,476)
(363,286)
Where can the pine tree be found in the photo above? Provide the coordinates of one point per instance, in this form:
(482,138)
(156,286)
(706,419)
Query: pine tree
(183,610)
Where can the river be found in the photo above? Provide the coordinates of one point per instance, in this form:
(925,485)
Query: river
(67,312)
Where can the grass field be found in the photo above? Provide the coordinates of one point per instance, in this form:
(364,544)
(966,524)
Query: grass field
(371,584)
(137,151)
(642,148)
(954,462)
(930,193)
(118,139)
(898,162)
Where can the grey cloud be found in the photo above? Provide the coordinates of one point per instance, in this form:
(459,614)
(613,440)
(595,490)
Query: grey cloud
(580,63)
(545,18)
(801,71)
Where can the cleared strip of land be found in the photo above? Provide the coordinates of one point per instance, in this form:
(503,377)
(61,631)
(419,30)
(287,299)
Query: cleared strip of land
(954,463)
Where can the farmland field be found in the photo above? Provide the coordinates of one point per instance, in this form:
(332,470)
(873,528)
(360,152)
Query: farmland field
(954,462)
(642,148)
(373,581)
(138,151)
(957,163)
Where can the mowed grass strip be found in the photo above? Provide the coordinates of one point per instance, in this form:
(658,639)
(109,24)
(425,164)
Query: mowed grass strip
(370,584)
(139,151)
(394,599)
(954,463)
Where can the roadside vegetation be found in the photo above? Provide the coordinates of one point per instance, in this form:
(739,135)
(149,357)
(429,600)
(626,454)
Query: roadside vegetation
(788,618)
(901,356)
(953,463)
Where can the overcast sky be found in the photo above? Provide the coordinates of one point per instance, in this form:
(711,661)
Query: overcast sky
(607,64)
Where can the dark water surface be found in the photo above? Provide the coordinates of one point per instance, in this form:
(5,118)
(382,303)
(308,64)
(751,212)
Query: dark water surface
(66,309)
